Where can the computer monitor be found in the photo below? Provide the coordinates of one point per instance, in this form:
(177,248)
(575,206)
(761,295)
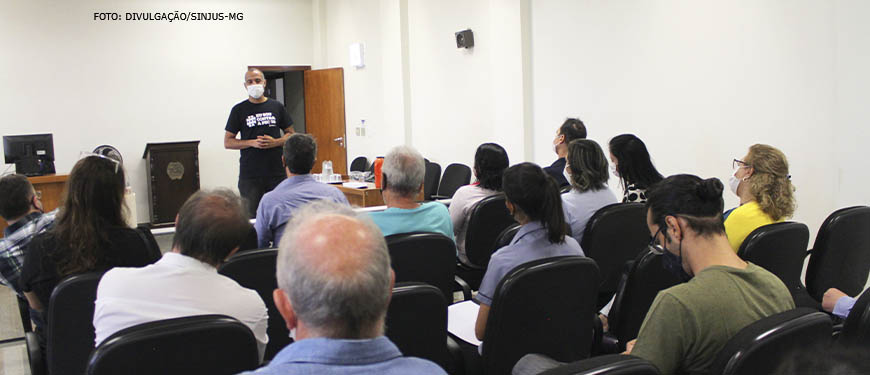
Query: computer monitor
(33,154)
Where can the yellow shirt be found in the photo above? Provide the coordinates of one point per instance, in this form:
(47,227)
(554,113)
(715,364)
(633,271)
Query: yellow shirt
(742,221)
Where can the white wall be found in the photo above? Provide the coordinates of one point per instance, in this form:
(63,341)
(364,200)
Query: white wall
(698,81)
(127,83)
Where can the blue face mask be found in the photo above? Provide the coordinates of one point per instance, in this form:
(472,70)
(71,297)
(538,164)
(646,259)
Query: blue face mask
(674,264)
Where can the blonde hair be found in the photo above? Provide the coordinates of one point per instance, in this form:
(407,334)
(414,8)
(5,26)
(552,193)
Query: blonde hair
(770,182)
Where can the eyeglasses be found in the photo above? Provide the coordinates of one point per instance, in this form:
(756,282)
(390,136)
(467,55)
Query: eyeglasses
(653,246)
(737,163)
(84,154)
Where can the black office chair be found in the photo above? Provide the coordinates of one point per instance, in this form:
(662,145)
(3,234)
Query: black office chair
(417,322)
(545,306)
(455,176)
(507,236)
(637,289)
(611,364)
(615,234)
(424,257)
(251,241)
(431,180)
(856,328)
(840,257)
(780,249)
(144,232)
(359,164)
(755,348)
(24,311)
(255,269)
(206,344)
(70,333)
(487,219)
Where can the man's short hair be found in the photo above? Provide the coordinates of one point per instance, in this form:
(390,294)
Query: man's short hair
(572,129)
(300,150)
(210,225)
(16,192)
(336,306)
(404,170)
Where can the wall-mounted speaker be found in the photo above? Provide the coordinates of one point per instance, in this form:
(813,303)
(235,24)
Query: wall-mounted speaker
(464,39)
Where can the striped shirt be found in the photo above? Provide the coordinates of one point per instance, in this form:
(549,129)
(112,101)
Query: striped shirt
(15,240)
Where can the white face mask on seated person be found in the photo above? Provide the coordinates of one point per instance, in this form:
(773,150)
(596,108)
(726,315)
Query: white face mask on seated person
(256,91)
(734,181)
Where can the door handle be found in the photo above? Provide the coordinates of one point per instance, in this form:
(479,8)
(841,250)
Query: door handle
(339,139)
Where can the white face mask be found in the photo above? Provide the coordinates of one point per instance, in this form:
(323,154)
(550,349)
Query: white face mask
(733,183)
(613,170)
(255,91)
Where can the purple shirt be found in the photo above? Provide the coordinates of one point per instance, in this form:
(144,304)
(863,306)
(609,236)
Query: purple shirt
(277,206)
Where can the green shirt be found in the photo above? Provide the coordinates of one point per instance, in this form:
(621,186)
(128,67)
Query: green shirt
(688,324)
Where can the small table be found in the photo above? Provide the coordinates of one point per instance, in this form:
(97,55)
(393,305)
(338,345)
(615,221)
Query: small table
(365,197)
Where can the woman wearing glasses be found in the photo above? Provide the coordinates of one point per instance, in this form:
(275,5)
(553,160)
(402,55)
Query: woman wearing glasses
(762,183)
(89,234)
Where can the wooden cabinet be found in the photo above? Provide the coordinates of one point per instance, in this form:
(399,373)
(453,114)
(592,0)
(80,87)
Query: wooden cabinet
(173,176)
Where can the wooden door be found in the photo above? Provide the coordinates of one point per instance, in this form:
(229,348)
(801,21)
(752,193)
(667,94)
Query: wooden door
(324,116)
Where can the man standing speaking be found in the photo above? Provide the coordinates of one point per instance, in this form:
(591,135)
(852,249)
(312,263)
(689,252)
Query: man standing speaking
(260,120)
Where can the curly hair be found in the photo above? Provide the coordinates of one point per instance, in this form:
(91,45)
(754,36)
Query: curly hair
(770,182)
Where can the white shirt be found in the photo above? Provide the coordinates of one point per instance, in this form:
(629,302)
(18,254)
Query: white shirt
(463,201)
(176,286)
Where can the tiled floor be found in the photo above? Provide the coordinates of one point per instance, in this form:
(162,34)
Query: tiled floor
(13,355)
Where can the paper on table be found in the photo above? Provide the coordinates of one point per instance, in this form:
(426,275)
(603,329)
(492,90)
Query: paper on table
(355,185)
(460,321)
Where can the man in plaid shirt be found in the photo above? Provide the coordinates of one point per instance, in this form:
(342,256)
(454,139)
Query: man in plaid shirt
(22,210)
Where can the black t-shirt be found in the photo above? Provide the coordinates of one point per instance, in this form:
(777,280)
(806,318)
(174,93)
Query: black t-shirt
(556,170)
(126,248)
(253,120)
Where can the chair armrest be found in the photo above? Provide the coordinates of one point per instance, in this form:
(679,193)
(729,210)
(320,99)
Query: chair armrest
(436,197)
(34,354)
(466,289)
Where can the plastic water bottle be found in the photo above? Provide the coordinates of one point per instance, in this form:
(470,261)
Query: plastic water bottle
(327,169)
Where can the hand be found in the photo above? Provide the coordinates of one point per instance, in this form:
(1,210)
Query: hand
(255,143)
(266,141)
(629,346)
(830,298)
(604,325)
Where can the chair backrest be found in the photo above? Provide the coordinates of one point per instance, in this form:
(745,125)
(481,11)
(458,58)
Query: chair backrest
(359,164)
(70,333)
(779,248)
(637,290)
(417,322)
(487,220)
(615,234)
(255,269)
(206,344)
(24,311)
(424,257)
(856,329)
(455,176)
(753,348)
(611,364)
(545,306)
(507,235)
(431,180)
(841,253)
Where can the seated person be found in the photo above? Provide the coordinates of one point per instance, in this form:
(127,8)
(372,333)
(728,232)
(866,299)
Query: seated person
(762,183)
(22,210)
(277,206)
(838,303)
(570,130)
(587,171)
(89,235)
(335,284)
(184,282)
(688,324)
(403,172)
(634,167)
(490,161)
(532,197)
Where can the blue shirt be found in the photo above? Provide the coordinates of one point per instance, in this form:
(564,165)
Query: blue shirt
(579,208)
(429,217)
(844,306)
(277,206)
(15,240)
(530,243)
(336,356)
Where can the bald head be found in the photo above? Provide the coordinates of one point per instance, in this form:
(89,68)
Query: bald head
(334,266)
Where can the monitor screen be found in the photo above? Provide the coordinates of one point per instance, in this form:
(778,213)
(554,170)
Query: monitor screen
(31,146)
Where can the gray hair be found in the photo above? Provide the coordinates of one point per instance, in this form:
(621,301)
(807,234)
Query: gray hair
(404,170)
(348,305)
